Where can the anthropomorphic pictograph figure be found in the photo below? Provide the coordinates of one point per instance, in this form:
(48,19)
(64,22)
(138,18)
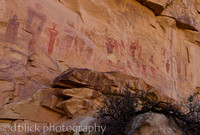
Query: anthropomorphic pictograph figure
(12,29)
(53,34)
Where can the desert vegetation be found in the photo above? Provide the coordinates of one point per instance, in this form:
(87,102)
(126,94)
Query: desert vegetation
(121,107)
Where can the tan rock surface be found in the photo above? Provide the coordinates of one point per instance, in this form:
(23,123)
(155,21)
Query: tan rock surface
(31,109)
(153,43)
(6,91)
(153,124)
(75,106)
(81,93)
(102,81)
(186,15)
(53,36)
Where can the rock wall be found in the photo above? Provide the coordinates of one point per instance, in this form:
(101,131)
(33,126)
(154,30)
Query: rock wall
(155,40)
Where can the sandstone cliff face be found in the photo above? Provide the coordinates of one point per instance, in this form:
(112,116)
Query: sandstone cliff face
(154,40)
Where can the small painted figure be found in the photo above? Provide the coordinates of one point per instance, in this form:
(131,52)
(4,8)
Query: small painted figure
(133,48)
(179,64)
(185,66)
(89,53)
(110,46)
(38,6)
(144,70)
(136,49)
(69,40)
(122,47)
(32,48)
(167,66)
(153,71)
(151,59)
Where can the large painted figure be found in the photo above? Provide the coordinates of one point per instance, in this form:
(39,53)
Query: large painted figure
(53,34)
(12,29)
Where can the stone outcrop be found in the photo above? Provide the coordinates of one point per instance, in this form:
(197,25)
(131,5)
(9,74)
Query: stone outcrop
(74,98)
(59,57)
(42,39)
(102,81)
(152,124)
(30,109)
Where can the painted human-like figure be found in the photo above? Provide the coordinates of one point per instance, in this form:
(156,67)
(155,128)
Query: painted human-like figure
(133,48)
(136,51)
(110,46)
(167,66)
(144,70)
(179,64)
(33,15)
(12,29)
(89,53)
(53,34)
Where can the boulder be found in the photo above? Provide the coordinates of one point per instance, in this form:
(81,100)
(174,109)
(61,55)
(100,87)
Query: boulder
(31,109)
(103,81)
(152,124)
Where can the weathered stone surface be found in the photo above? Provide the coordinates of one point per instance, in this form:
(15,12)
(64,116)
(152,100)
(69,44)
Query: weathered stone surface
(197,5)
(185,14)
(109,36)
(76,106)
(102,81)
(42,68)
(105,82)
(6,91)
(31,109)
(152,124)
(50,102)
(157,6)
(146,44)
(72,102)
(6,86)
(83,93)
